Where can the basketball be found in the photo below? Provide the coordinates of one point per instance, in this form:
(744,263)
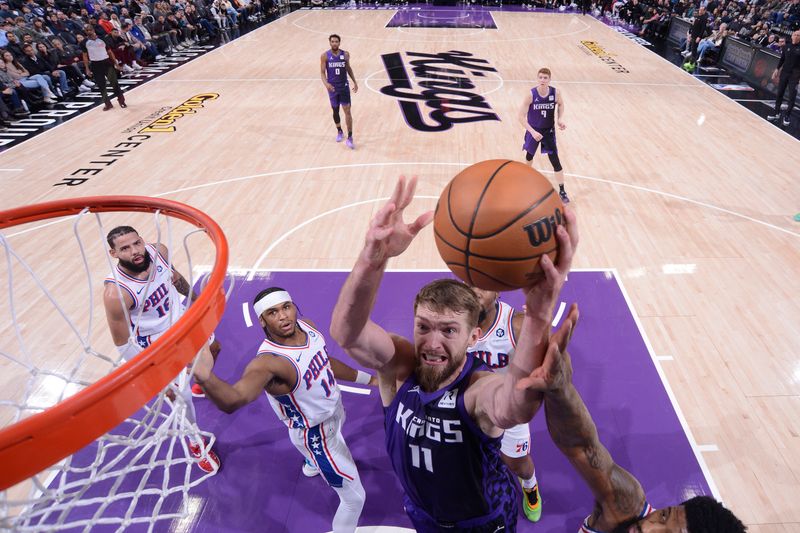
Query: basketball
(494,221)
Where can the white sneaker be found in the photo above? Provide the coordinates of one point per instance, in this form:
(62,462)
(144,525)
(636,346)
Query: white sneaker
(88,83)
(48,100)
(83,89)
(310,470)
(127,69)
(136,66)
(159,57)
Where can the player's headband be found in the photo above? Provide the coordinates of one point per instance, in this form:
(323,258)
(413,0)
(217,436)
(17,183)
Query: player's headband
(273,298)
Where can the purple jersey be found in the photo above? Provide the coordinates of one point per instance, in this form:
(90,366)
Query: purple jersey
(336,66)
(450,470)
(542,111)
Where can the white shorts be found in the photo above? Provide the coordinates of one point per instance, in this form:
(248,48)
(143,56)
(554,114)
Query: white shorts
(516,441)
(324,446)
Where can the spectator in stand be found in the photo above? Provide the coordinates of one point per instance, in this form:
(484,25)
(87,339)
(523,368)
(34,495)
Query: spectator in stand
(201,17)
(104,23)
(123,51)
(20,74)
(14,92)
(166,35)
(141,33)
(696,32)
(13,46)
(67,59)
(189,30)
(35,64)
(712,43)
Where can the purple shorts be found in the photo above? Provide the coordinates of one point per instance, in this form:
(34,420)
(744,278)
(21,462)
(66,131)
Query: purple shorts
(548,142)
(339,96)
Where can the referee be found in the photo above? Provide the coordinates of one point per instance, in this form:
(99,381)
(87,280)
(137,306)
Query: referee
(788,75)
(100,63)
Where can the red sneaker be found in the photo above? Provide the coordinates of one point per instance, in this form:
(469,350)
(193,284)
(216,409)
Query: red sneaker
(197,391)
(208,464)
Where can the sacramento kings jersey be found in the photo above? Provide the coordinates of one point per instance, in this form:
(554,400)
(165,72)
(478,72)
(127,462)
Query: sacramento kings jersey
(160,305)
(542,111)
(448,467)
(316,395)
(337,69)
(496,346)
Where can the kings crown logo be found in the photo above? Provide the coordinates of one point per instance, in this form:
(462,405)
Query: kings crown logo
(444,87)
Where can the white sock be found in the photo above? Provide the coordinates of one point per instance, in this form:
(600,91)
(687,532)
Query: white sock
(529,483)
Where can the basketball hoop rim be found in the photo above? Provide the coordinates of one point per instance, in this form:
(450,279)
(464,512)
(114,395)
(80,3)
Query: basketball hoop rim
(41,440)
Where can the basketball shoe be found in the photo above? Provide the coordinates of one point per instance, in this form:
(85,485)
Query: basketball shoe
(564,198)
(349,143)
(208,464)
(532,503)
(339,136)
(197,391)
(310,469)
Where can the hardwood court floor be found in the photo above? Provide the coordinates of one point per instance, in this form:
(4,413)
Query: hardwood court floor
(686,194)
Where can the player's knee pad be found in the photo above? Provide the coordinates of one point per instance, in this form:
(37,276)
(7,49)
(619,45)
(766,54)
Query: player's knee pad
(336,117)
(555,162)
(528,156)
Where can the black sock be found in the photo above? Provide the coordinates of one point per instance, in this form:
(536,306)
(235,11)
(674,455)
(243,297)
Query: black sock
(349,134)
(560,187)
(339,129)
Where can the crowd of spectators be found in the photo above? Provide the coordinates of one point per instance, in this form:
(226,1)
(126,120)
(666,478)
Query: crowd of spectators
(766,23)
(40,40)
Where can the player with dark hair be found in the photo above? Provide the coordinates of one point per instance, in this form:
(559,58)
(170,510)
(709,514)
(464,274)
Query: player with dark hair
(334,68)
(445,412)
(300,378)
(620,503)
(539,114)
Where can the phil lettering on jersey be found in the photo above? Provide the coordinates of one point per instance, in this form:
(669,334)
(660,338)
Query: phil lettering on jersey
(315,368)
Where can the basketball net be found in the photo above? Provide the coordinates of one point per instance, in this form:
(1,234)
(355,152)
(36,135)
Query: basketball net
(56,346)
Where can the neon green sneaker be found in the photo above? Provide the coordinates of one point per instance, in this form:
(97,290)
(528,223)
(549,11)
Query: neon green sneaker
(532,503)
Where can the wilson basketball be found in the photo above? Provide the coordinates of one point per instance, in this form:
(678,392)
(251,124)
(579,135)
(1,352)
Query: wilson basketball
(493,223)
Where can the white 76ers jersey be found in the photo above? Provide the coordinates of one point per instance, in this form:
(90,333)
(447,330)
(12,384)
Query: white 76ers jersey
(496,346)
(316,395)
(156,296)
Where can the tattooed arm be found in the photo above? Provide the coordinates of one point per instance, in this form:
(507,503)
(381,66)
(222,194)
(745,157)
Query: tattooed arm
(618,494)
(178,280)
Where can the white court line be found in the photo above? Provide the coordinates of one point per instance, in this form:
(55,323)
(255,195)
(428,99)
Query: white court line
(280,239)
(699,82)
(431,163)
(444,38)
(355,390)
(665,358)
(682,419)
(11,169)
(370,77)
(708,448)
(246,314)
(561,307)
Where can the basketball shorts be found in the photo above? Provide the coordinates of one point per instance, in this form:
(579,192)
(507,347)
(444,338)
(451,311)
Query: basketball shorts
(497,522)
(516,441)
(548,142)
(324,446)
(340,96)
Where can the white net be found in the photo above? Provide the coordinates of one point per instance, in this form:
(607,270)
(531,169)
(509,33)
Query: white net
(55,342)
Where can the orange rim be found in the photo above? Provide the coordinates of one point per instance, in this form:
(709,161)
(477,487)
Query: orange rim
(41,440)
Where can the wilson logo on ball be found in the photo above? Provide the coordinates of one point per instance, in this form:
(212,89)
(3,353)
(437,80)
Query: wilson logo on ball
(542,230)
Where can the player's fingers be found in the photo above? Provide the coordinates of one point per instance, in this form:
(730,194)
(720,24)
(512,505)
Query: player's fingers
(533,383)
(565,250)
(571,222)
(397,194)
(383,216)
(422,221)
(549,269)
(408,193)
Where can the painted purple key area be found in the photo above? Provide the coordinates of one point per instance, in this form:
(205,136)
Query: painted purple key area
(442,17)
(261,487)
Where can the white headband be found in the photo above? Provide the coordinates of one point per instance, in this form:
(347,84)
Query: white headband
(273,298)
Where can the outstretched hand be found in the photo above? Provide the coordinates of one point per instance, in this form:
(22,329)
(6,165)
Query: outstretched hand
(388,234)
(541,294)
(204,365)
(556,370)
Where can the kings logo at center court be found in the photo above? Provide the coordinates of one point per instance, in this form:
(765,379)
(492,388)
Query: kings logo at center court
(442,92)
